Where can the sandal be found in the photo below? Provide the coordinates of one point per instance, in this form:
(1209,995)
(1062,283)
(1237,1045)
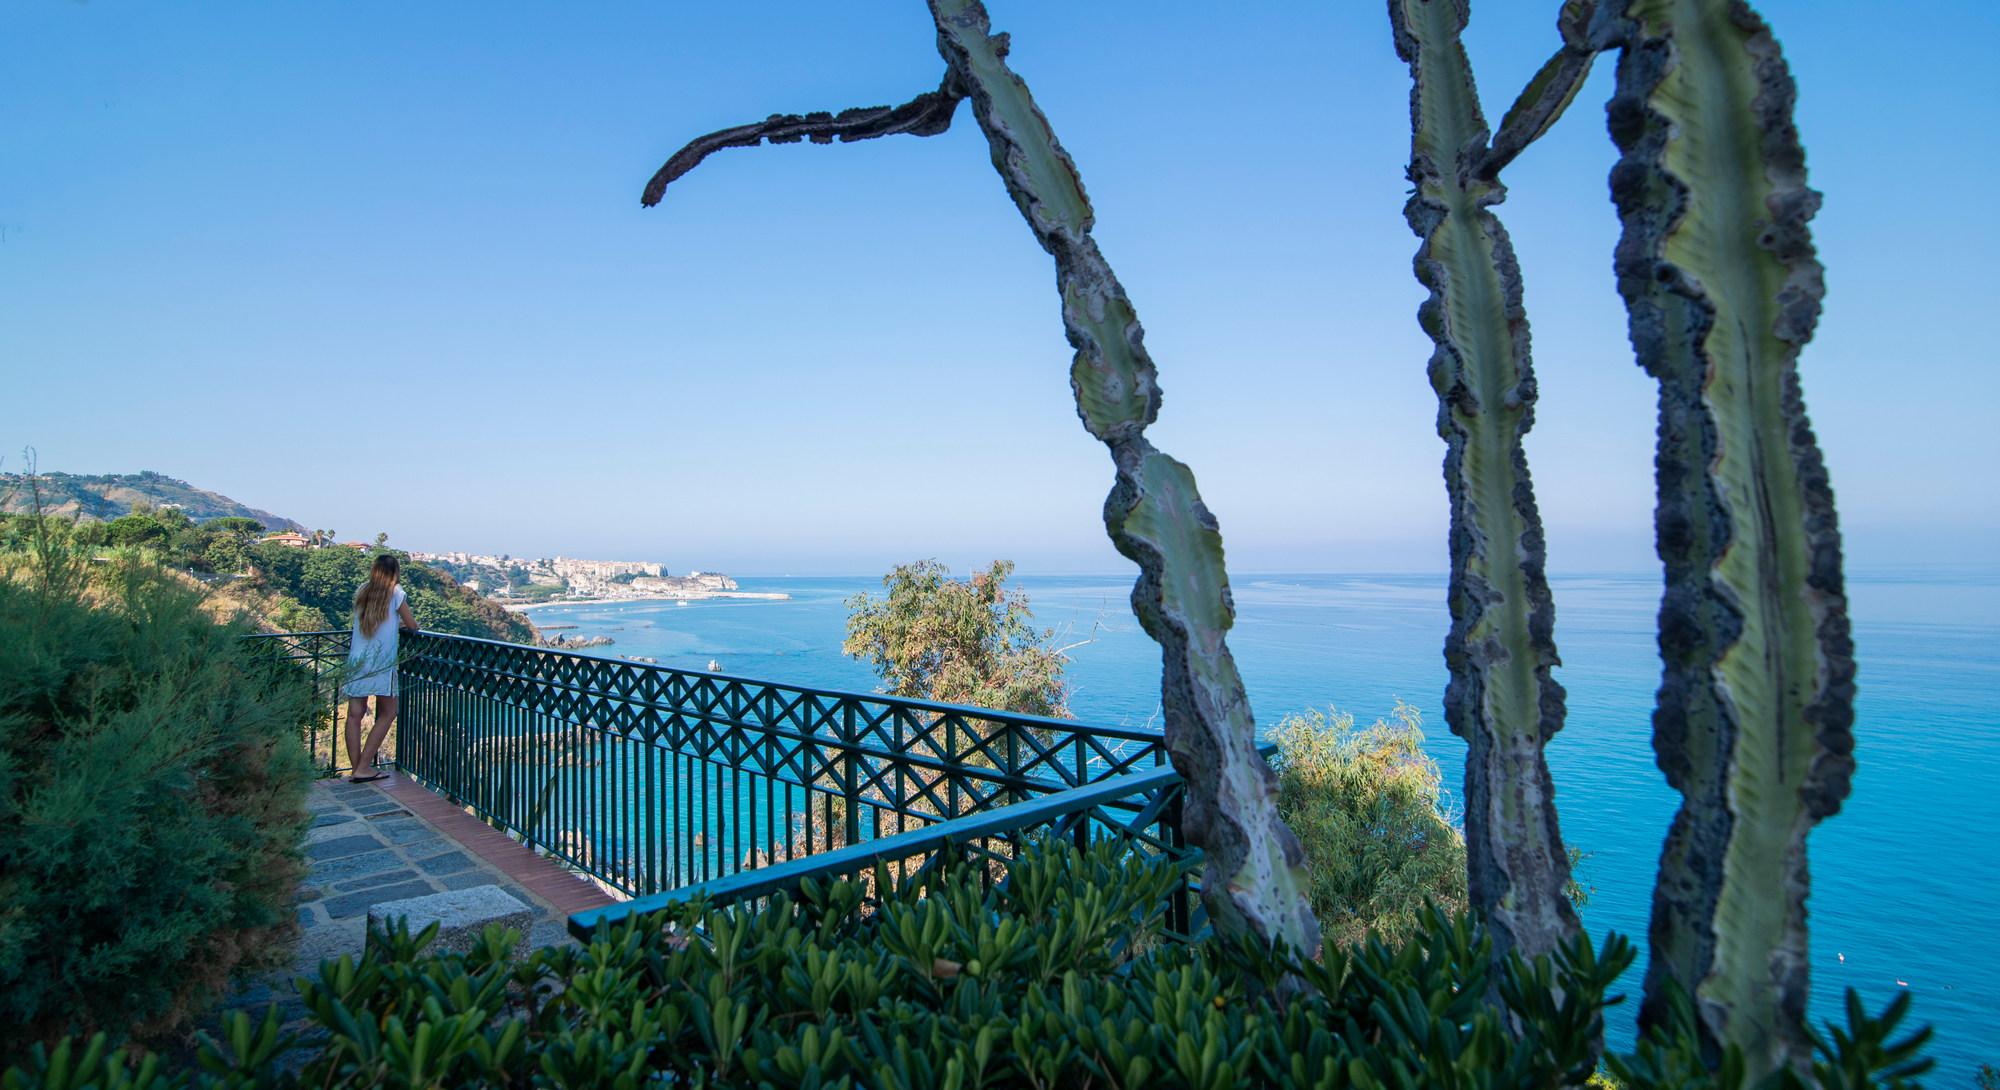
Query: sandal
(368,779)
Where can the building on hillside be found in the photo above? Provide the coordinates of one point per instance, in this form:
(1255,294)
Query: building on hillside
(296,541)
(362,545)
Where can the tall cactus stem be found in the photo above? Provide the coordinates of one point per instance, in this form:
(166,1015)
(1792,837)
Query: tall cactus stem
(1754,725)
(1254,878)
(1254,868)
(1501,697)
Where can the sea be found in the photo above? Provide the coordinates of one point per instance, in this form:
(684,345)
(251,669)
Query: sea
(1905,879)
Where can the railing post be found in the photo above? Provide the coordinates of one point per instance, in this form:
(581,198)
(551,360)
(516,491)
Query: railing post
(1013,770)
(406,708)
(850,787)
(1180,907)
(314,653)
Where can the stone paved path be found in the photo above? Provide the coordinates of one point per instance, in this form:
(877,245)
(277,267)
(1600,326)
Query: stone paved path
(366,847)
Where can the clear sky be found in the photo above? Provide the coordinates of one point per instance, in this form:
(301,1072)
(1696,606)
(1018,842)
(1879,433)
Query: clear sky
(382,267)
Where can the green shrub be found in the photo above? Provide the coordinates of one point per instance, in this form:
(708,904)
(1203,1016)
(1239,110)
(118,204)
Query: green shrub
(1367,806)
(1059,978)
(151,801)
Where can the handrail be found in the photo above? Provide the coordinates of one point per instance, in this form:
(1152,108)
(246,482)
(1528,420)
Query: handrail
(786,875)
(1126,734)
(779,730)
(672,784)
(1129,734)
(650,777)
(317,650)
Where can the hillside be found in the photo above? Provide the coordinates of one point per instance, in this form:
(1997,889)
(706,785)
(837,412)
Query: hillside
(285,587)
(323,581)
(105,496)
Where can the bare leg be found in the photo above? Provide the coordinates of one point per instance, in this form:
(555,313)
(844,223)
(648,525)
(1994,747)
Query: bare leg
(357,706)
(385,717)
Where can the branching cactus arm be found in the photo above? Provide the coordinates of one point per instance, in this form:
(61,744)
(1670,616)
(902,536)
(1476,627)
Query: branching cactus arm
(1254,878)
(1755,719)
(927,114)
(1501,698)
(1585,33)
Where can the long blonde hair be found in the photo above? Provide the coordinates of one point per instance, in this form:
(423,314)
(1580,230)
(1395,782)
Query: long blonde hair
(371,602)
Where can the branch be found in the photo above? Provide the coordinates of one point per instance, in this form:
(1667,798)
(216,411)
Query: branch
(927,114)
(1587,30)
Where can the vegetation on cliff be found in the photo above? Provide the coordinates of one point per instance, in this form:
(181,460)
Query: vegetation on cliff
(283,587)
(323,581)
(152,798)
(974,642)
(102,497)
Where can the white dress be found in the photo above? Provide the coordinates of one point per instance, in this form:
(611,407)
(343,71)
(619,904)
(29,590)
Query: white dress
(371,662)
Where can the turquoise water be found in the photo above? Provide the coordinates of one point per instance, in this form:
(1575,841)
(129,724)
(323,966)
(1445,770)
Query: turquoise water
(1905,881)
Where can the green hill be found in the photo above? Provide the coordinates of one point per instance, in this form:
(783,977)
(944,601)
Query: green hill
(287,588)
(323,582)
(105,496)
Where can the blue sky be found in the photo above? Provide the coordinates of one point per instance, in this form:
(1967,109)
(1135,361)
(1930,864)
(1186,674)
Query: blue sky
(383,267)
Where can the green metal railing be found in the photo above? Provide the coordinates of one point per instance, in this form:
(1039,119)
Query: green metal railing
(664,784)
(321,657)
(1141,809)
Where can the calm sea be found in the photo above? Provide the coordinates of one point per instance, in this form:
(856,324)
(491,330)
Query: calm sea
(1906,879)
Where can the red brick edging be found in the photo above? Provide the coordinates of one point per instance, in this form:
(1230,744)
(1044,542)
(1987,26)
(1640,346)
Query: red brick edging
(565,892)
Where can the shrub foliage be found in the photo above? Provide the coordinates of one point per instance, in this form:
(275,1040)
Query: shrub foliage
(1366,805)
(151,800)
(1057,978)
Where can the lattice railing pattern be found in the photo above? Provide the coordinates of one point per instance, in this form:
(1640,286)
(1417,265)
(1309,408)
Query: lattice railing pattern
(324,654)
(664,782)
(1141,810)
(652,778)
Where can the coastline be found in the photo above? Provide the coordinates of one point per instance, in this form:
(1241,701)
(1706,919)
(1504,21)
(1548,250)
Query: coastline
(763,595)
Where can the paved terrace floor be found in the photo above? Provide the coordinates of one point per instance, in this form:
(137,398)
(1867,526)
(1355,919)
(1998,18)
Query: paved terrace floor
(392,839)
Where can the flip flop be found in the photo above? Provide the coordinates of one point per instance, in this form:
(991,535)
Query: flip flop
(368,779)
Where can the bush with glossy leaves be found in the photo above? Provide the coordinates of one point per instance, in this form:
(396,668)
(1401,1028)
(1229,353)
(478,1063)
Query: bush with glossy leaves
(1060,977)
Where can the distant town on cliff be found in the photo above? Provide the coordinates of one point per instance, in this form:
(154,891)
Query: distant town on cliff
(523,581)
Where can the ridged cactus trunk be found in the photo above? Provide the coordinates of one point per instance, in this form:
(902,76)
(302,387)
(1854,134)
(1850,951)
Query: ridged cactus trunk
(1755,715)
(1253,878)
(1500,698)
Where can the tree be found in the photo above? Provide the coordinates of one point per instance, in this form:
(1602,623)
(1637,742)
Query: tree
(381,539)
(932,637)
(137,528)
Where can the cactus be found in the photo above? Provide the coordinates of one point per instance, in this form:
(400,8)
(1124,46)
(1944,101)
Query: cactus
(1501,698)
(1254,878)
(1755,716)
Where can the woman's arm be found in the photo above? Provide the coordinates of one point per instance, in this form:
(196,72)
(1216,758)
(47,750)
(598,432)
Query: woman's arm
(409,619)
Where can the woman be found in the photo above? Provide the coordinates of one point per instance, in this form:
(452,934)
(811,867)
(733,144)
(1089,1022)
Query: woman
(371,664)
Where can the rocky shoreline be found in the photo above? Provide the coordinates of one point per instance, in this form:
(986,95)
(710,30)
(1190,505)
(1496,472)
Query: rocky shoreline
(572,643)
